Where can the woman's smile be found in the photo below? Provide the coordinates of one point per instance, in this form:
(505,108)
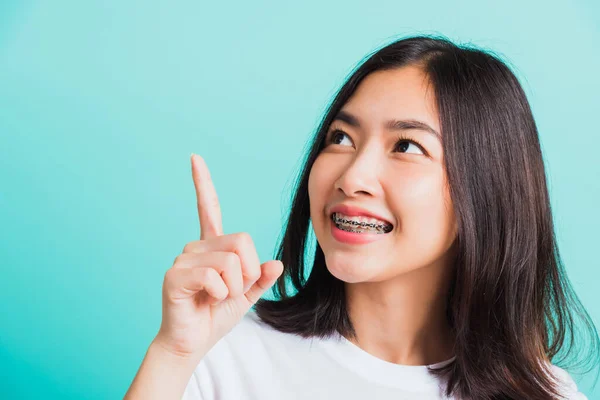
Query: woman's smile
(355,236)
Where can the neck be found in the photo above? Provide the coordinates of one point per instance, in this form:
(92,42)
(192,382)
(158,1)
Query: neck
(403,320)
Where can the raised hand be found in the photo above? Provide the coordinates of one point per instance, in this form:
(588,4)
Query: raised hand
(213,282)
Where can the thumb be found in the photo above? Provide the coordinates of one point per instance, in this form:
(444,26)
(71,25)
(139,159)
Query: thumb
(270,271)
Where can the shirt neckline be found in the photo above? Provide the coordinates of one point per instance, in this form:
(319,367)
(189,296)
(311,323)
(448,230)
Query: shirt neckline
(414,378)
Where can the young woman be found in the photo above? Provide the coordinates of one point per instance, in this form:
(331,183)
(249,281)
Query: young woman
(435,274)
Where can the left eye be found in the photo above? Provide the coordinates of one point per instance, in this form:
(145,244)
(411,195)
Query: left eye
(405,145)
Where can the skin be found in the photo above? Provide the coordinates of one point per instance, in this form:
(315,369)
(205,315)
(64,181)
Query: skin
(396,286)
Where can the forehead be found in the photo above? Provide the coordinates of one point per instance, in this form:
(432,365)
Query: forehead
(398,93)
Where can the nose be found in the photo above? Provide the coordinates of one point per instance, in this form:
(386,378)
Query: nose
(361,176)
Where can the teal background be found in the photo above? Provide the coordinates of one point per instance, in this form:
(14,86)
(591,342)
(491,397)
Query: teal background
(102,102)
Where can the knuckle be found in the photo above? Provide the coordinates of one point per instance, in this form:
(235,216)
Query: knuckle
(213,201)
(190,247)
(253,275)
(187,248)
(177,259)
(206,274)
(231,260)
(244,239)
(168,276)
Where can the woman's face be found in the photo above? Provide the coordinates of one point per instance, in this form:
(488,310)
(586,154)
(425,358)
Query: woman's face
(368,164)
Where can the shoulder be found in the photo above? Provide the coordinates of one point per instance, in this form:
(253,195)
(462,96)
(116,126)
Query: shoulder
(567,385)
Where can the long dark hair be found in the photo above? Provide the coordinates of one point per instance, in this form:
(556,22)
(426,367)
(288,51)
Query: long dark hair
(510,305)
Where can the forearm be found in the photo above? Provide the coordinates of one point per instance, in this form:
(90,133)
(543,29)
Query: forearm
(162,375)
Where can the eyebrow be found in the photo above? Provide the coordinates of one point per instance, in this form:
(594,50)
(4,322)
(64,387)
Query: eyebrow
(402,124)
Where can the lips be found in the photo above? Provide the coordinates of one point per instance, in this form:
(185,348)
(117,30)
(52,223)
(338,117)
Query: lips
(355,211)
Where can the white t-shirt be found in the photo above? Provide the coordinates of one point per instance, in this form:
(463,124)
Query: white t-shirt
(256,362)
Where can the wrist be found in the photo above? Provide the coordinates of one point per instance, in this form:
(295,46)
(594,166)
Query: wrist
(172,357)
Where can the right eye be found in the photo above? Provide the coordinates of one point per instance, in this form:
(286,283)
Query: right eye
(336,135)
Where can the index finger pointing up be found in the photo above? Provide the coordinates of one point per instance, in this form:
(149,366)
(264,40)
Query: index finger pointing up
(209,210)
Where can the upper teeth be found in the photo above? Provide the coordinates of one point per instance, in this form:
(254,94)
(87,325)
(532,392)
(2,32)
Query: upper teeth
(362,221)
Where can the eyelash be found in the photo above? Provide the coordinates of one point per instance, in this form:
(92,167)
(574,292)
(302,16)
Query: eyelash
(400,138)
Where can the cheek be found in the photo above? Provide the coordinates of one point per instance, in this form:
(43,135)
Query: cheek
(416,189)
(317,185)
(422,205)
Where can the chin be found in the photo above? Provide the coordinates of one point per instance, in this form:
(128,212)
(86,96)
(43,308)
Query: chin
(351,271)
